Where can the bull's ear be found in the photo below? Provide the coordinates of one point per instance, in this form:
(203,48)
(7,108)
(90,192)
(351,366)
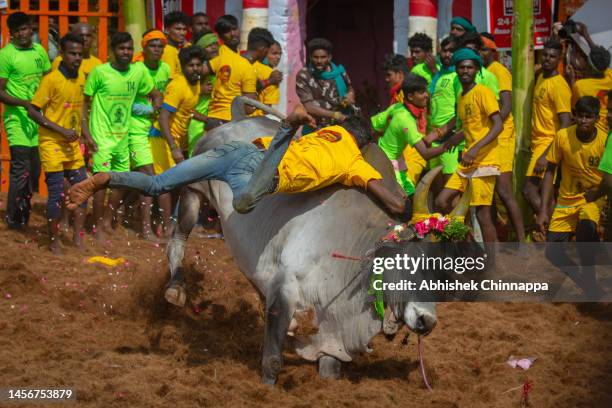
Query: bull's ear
(460,211)
(421,195)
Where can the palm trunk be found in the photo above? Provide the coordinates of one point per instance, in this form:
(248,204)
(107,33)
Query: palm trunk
(522,93)
(135,20)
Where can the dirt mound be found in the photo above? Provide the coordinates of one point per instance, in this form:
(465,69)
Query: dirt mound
(109,333)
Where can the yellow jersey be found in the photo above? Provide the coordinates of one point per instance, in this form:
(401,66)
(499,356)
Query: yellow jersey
(579,164)
(551,96)
(504,79)
(322,158)
(270,95)
(597,87)
(180,99)
(475,109)
(235,76)
(87,65)
(171,57)
(61,101)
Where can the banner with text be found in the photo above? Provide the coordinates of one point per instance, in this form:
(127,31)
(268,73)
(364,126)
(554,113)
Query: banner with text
(500,14)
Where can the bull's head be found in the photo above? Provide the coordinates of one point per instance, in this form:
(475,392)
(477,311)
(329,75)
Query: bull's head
(420,316)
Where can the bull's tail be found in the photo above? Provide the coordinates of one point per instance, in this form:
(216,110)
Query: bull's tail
(238,108)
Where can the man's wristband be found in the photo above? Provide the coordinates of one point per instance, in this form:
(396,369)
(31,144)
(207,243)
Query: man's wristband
(336,116)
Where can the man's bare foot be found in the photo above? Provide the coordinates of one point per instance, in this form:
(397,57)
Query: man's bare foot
(55,247)
(80,192)
(148,235)
(99,234)
(77,241)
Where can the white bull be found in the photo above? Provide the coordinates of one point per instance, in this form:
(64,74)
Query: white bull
(285,246)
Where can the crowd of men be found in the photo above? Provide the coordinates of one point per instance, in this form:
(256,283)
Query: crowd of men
(142,112)
(135,120)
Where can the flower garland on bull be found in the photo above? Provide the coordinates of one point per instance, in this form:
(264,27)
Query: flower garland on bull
(425,224)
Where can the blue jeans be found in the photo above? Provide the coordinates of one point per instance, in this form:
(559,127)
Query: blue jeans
(233,162)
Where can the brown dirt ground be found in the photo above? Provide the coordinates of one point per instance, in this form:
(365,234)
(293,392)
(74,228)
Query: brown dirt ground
(108,333)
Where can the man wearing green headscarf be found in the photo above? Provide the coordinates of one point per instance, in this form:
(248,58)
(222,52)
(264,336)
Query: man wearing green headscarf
(460,26)
(478,110)
(210,44)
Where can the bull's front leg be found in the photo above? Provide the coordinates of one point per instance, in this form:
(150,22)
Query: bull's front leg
(280,306)
(189,210)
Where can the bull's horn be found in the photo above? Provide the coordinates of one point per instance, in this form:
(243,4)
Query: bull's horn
(463,205)
(421,195)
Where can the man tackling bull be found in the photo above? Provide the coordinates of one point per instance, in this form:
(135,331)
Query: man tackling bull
(328,156)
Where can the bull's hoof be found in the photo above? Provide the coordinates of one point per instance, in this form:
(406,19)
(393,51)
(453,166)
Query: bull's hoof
(329,368)
(175,293)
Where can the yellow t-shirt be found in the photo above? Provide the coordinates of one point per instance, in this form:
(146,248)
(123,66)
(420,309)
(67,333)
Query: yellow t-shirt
(270,95)
(504,79)
(597,87)
(87,65)
(551,96)
(325,157)
(61,100)
(170,57)
(579,164)
(235,76)
(475,109)
(180,99)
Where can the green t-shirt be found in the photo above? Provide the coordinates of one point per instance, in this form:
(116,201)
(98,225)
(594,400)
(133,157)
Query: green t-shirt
(399,127)
(160,77)
(113,94)
(605,164)
(443,99)
(423,70)
(23,69)
(196,128)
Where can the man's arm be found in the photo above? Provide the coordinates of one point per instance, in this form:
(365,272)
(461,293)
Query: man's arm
(542,218)
(441,131)
(565,119)
(156,98)
(505,104)
(164,127)
(8,99)
(199,117)
(317,111)
(604,188)
(395,203)
(275,78)
(86,135)
(36,115)
(469,156)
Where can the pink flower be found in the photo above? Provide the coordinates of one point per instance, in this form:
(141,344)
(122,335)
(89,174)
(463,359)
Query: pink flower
(433,223)
(441,225)
(421,228)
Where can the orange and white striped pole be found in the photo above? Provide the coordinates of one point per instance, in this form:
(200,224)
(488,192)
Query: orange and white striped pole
(423,18)
(254,14)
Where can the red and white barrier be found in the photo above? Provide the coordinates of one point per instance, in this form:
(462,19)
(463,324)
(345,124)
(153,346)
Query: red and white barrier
(423,18)
(254,14)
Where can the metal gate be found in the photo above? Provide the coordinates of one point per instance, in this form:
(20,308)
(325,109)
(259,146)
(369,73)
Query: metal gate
(51,21)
